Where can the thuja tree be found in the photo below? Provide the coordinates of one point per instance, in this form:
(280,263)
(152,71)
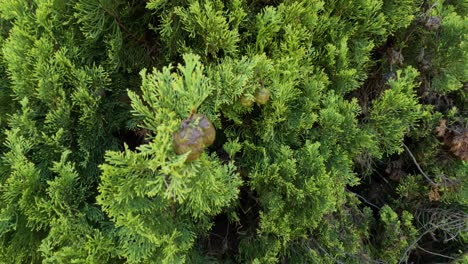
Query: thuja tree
(107,108)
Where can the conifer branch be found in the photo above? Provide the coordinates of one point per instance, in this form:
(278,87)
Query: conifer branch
(275,80)
(139,40)
(324,251)
(173,198)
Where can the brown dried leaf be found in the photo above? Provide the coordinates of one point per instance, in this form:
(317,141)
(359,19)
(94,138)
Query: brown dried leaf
(441,128)
(434,194)
(459,145)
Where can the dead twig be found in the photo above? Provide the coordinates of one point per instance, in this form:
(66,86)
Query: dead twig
(365,200)
(432,229)
(419,167)
(435,254)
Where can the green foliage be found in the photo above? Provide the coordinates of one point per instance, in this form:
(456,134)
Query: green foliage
(395,112)
(339,165)
(203,27)
(57,128)
(399,13)
(452,48)
(137,189)
(398,234)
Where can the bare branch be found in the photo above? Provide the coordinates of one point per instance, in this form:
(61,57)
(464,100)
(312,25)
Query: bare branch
(364,200)
(434,253)
(417,165)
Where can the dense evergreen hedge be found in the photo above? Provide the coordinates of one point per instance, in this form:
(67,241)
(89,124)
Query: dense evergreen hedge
(341,131)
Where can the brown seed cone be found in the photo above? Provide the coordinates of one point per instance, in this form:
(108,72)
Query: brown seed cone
(208,130)
(195,134)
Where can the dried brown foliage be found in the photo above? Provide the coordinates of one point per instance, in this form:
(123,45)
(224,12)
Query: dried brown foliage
(455,138)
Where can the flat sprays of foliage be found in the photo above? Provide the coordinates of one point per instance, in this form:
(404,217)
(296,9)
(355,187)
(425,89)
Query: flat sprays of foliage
(208,131)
